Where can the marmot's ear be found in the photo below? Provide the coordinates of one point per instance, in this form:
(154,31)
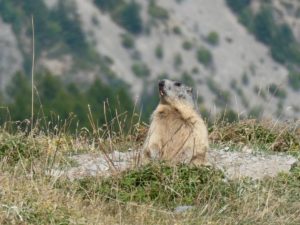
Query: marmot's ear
(190,90)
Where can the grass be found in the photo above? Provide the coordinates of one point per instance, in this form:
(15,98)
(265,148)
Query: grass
(147,194)
(265,135)
(160,184)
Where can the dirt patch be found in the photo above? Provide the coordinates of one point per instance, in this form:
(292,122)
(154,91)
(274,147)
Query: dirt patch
(234,164)
(248,164)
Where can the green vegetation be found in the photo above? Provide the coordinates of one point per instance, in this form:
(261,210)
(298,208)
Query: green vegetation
(177,60)
(51,27)
(126,14)
(253,133)
(264,25)
(108,5)
(195,70)
(294,80)
(140,69)
(213,38)
(280,38)
(177,30)
(157,12)
(238,5)
(149,183)
(159,53)
(277,91)
(228,115)
(187,79)
(57,29)
(245,79)
(148,193)
(260,92)
(187,45)
(256,112)
(150,98)
(223,98)
(279,110)
(239,92)
(127,41)
(204,56)
(242,96)
(57,101)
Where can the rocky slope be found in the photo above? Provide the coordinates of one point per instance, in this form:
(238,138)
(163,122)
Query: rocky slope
(10,56)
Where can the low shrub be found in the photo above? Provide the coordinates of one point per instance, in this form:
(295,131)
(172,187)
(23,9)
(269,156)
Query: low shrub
(204,56)
(140,69)
(213,38)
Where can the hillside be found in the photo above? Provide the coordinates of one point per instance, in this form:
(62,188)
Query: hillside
(201,42)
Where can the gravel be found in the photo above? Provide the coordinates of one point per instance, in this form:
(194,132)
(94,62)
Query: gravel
(234,164)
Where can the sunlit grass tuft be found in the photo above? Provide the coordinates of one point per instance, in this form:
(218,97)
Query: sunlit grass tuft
(265,135)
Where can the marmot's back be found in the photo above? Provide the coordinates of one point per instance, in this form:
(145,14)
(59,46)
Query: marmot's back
(177,133)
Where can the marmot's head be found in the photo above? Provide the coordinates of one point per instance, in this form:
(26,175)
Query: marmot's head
(171,91)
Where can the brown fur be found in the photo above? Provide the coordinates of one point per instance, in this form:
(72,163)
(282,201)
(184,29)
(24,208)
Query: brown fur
(177,133)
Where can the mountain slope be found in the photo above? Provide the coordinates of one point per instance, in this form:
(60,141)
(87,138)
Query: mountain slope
(237,54)
(198,41)
(10,56)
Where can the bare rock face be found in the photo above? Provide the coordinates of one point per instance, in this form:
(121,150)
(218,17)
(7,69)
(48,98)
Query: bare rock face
(51,3)
(234,164)
(11,59)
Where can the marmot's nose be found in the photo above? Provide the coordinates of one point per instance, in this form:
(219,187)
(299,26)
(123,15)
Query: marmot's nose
(161,83)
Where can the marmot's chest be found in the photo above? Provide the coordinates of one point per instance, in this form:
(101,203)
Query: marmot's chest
(170,122)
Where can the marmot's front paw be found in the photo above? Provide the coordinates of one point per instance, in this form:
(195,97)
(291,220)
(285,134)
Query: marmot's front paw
(152,154)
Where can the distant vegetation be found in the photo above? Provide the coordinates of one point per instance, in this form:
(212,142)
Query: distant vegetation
(188,79)
(294,80)
(157,12)
(55,100)
(245,79)
(159,53)
(126,14)
(223,97)
(277,91)
(58,28)
(213,38)
(280,38)
(140,69)
(127,41)
(187,45)
(51,26)
(177,60)
(204,56)
(177,30)
(238,5)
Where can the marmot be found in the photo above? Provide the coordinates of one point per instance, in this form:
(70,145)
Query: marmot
(177,133)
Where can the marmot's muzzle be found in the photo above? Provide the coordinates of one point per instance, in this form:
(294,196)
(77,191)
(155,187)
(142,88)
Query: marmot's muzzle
(161,85)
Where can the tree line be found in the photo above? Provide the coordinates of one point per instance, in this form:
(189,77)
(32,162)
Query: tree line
(53,98)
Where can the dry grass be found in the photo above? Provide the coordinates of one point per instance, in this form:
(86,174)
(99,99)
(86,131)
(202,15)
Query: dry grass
(29,196)
(279,137)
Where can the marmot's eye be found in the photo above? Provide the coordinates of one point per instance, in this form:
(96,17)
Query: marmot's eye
(178,84)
